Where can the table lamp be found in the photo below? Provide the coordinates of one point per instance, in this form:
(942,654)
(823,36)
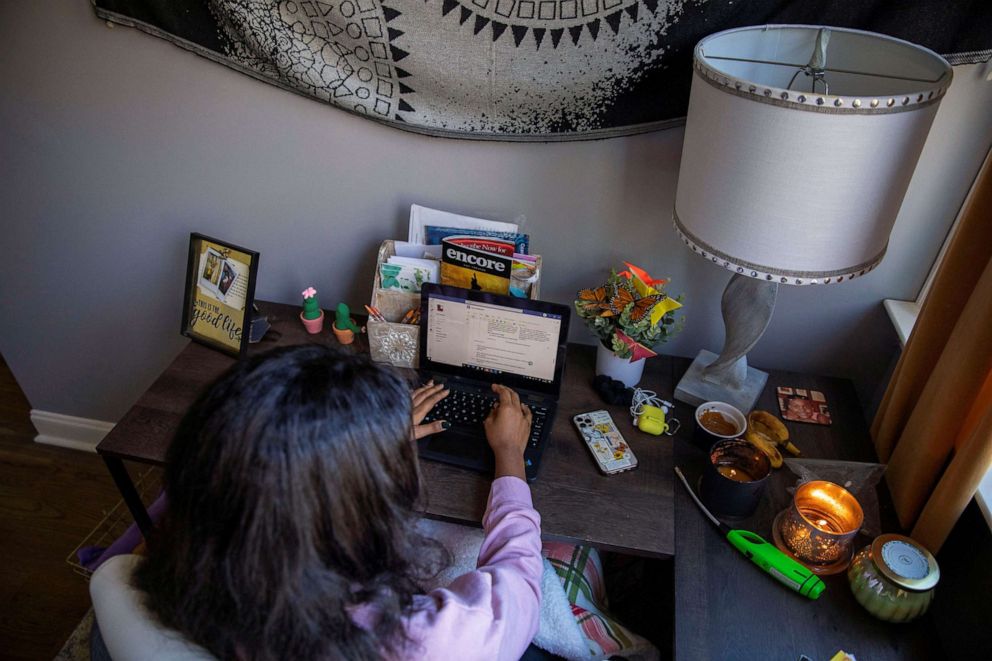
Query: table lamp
(800,142)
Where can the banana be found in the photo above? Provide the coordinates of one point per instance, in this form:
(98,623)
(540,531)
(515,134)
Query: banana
(766,445)
(767,424)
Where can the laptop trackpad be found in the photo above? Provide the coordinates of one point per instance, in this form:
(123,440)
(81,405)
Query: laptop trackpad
(459,448)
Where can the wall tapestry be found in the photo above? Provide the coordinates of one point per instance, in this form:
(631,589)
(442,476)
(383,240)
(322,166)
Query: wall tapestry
(512,69)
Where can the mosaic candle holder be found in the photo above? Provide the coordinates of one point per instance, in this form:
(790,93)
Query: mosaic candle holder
(819,527)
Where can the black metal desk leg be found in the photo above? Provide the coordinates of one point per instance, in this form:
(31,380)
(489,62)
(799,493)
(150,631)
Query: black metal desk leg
(130,494)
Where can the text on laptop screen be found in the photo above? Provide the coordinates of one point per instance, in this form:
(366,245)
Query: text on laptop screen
(492,338)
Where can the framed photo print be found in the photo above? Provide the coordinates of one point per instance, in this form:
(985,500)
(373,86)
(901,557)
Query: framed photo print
(220,289)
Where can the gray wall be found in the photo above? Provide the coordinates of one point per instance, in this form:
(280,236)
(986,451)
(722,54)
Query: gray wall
(115,145)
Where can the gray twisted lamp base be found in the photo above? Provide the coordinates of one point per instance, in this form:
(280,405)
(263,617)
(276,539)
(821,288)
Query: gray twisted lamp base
(747,307)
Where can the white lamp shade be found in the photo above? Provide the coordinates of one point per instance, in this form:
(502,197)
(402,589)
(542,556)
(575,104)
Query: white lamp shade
(794,184)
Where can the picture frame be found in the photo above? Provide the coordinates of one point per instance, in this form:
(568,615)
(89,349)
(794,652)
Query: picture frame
(219,294)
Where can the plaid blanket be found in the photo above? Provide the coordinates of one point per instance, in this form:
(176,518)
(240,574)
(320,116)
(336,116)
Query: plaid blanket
(580,570)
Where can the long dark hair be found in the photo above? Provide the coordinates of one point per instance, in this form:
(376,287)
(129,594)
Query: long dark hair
(292,484)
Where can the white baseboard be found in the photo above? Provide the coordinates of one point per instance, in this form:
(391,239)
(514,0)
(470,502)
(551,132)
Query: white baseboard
(68,431)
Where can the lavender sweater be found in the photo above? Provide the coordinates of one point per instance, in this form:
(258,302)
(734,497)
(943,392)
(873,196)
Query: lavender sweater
(490,613)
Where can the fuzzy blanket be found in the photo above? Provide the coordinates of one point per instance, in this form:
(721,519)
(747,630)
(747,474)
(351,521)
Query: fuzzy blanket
(559,631)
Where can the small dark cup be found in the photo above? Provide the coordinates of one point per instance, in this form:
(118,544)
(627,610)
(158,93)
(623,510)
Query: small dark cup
(736,491)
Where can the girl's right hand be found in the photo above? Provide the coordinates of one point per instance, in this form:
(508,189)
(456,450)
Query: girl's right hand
(507,430)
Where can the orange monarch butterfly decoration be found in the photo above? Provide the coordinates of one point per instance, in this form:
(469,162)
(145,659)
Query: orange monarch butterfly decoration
(616,312)
(608,300)
(612,299)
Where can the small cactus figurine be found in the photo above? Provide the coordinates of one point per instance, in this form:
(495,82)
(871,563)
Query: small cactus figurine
(344,326)
(312,316)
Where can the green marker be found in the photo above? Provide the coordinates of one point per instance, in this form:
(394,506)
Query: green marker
(767,556)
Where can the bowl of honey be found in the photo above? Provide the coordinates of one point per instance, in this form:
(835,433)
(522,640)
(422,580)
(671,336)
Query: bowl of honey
(718,421)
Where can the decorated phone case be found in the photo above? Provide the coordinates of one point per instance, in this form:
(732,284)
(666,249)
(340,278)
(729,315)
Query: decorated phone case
(605,441)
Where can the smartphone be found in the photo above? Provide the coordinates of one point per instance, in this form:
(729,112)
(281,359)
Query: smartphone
(604,440)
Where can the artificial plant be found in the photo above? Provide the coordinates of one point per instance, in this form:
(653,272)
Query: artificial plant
(630,313)
(342,319)
(311,307)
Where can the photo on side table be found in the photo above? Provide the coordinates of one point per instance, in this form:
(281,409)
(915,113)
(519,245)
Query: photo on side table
(220,289)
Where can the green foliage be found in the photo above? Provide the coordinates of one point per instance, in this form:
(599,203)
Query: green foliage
(643,331)
(311,308)
(342,319)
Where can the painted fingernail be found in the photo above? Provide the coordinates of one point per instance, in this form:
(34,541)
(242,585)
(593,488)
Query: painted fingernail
(445,424)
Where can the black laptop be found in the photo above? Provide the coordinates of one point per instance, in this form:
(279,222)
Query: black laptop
(472,339)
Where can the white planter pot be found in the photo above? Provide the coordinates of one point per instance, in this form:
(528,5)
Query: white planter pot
(620,369)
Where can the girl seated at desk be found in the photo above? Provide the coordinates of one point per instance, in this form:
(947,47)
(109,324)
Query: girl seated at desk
(290,532)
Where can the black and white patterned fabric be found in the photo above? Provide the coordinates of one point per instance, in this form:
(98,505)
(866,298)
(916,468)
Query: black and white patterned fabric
(512,69)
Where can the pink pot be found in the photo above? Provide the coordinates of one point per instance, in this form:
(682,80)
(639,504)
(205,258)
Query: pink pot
(313,326)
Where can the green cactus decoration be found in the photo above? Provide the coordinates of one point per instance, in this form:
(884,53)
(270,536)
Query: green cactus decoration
(342,319)
(311,307)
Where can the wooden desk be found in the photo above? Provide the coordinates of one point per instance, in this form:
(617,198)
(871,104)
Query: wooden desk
(631,512)
(725,607)
(728,608)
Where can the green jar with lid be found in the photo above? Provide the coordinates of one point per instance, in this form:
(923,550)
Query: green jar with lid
(894,578)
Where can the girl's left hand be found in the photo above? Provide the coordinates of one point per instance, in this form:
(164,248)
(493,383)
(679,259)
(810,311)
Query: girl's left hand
(424,399)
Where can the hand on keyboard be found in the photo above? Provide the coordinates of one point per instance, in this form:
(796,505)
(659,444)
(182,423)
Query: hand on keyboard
(424,399)
(463,408)
(507,430)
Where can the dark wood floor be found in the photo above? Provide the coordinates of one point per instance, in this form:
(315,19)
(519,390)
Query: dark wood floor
(50,498)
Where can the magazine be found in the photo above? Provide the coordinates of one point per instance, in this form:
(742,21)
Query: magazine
(523,274)
(433,235)
(408,273)
(421,217)
(464,263)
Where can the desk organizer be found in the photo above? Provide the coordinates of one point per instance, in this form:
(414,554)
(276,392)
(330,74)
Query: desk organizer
(390,341)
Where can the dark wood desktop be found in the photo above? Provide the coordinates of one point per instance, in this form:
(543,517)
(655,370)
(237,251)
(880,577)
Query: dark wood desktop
(632,512)
(725,608)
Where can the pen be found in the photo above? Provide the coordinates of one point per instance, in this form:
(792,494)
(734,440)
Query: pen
(374,313)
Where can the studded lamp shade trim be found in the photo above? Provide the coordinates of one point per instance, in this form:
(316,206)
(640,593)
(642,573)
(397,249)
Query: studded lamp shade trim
(763,272)
(781,190)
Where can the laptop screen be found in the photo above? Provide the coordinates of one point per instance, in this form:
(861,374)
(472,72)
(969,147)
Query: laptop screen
(494,338)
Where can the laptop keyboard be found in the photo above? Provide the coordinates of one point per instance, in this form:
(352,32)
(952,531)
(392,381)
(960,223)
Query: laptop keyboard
(469,409)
